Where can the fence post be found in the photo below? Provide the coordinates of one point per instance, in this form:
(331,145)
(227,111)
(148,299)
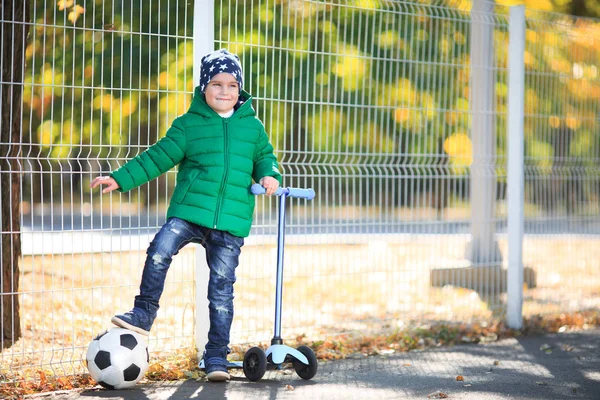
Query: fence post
(515,175)
(204,34)
(483,248)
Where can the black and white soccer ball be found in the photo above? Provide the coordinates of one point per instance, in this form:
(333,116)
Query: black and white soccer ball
(117,358)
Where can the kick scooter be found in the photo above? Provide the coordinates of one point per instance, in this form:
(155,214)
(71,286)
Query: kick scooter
(256,360)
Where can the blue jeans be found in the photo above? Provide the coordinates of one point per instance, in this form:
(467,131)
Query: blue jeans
(222,256)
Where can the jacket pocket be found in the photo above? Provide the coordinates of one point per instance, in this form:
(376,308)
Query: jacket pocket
(183,186)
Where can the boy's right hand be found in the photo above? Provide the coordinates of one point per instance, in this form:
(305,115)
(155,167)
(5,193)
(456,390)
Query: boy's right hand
(105,180)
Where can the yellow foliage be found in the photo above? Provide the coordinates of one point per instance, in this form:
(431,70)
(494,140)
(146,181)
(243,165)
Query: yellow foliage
(531,36)
(327,27)
(528,59)
(299,11)
(63,4)
(322,78)
(554,121)
(265,13)
(88,72)
(501,89)
(48,75)
(76,13)
(60,152)
(173,105)
(541,154)
(560,65)
(104,102)
(429,105)
(572,122)
(401,114)
(444,45)
(542,5)
(48,132)
(70,133)
(458,146)
(390,39)
(352,67)
(422,35)
(128,106)
(401,93)
(367,4)
(451,117)
(532,101)
(298,47)
(459,37)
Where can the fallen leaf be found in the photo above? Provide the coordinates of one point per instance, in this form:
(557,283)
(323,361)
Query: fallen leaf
(496,362)
(289,387)
(437,395)
(407,365)
(460,378)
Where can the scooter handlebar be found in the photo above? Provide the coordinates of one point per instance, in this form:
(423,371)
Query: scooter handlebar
(307,194)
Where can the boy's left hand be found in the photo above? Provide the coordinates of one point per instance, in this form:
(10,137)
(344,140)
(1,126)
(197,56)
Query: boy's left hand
(270,184)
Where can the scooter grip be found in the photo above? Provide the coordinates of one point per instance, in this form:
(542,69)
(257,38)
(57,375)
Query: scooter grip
(307,194)
(257,189)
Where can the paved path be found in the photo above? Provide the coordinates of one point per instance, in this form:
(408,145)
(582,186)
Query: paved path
(557,366)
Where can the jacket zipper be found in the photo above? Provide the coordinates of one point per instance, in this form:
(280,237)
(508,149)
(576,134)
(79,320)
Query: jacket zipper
(226,166)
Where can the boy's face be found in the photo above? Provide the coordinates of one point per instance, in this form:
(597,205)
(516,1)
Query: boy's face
(222,92)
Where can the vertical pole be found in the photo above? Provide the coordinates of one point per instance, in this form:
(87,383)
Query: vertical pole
(204,38)
(516,101)
(279,276)
(483,248)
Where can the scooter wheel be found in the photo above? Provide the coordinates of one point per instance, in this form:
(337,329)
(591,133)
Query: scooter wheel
(255,363)
(306,371)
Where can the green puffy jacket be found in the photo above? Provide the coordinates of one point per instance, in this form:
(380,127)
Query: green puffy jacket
(217,157)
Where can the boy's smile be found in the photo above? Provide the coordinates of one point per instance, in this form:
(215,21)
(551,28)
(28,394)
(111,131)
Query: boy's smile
(222,92)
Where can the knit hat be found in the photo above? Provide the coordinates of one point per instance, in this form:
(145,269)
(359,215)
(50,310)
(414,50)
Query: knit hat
(220,61)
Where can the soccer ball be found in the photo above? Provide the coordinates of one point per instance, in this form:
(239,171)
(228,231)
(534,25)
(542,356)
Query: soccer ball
(117,358)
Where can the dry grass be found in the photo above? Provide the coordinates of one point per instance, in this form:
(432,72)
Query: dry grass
(328,289)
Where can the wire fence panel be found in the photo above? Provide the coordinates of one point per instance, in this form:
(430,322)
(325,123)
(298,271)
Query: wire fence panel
(393,111)
(101,82)
(562,173)
(369,105)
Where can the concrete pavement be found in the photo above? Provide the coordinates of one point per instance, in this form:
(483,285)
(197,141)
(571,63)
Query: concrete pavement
(555,366)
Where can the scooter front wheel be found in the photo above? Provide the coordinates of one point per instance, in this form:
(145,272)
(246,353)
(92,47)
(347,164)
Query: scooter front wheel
(255,364)
(306,371)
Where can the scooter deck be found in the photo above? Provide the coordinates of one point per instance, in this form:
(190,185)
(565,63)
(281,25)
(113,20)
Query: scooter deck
(230,364)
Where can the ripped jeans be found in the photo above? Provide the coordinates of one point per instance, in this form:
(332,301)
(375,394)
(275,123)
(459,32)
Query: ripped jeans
(222,256)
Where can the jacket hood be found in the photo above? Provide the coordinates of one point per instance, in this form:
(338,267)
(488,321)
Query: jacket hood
(243,108)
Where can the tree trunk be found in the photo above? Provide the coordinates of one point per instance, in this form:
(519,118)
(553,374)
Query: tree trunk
(579,8)
(14,33)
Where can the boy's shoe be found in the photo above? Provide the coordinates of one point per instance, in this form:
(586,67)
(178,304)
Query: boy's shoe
(216,369)
(135,320)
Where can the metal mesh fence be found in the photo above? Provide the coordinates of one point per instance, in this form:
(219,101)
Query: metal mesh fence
(394,112)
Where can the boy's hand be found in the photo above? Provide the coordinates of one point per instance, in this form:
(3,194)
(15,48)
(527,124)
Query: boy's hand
(105,180)
(270,184)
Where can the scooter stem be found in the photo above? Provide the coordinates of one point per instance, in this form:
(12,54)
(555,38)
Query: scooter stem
(279,278)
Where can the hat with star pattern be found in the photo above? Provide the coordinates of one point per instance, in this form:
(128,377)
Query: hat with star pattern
(220,61)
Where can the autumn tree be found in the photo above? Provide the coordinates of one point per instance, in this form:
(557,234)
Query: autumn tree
(15,18)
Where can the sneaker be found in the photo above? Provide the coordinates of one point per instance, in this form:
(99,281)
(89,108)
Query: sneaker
(216,369)
(135,320)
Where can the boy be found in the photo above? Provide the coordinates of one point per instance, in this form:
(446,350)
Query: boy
(220,146)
